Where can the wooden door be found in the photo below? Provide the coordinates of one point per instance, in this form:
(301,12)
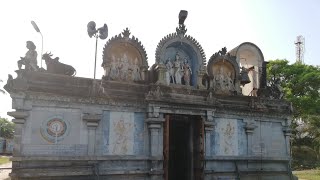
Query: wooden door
(198,149)
(166,148)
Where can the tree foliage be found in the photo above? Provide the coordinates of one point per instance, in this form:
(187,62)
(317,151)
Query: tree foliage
(1,90)
(6,128)
(301,87)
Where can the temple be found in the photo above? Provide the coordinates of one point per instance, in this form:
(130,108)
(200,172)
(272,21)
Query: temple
(184,117)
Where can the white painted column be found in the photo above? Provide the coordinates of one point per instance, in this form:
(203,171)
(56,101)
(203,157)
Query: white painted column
(250,126)
(287,134)
(20,118)
(154,125)
(208,128)
(156,146)
(92,121)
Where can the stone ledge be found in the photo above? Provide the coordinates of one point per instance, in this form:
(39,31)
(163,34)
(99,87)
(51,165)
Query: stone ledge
(69,171)
(246,158)
(85,158)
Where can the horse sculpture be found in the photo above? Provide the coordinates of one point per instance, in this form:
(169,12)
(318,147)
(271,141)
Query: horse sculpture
(56,67)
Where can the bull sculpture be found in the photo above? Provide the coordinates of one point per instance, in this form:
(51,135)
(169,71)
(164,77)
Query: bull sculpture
(56,67)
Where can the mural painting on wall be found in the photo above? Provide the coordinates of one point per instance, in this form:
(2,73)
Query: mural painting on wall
(178,71)
(55,129)
(228,138)
(121,133)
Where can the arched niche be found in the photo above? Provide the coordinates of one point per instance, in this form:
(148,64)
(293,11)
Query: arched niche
(185,52)
(124,59)
(249,55)
(223,72)
(187,48)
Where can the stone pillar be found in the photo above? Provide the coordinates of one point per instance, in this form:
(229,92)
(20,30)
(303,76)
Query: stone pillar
(249,131)
(156,147)
(19,120)
(208,128)
(154,126)
(92,121)
(161,72)
(287,134)
(200,76)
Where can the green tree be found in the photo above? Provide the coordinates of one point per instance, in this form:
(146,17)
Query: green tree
(6,128)
(301,87)
(1,90)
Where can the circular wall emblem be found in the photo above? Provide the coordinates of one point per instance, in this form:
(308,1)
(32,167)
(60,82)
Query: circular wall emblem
(54,129)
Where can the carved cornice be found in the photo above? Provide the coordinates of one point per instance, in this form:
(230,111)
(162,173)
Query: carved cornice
(249,127)
(287,131)
(92,119)
(19,114)
(54,89)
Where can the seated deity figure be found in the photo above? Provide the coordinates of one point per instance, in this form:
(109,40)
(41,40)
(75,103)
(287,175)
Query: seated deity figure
(219,80)
(186,72)
(229,82)
(223,82)
(177,70)
(30,59)
(169,71)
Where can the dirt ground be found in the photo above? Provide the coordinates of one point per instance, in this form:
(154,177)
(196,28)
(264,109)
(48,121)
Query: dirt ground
(4,173)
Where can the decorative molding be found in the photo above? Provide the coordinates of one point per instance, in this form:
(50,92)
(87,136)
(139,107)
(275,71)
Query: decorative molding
(249,127)
(19,114)
(92,119)
(155,94)
(213,100)
(287,131)
(210,115)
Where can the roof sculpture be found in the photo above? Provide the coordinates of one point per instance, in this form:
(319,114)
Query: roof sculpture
(124,58)
(180,59)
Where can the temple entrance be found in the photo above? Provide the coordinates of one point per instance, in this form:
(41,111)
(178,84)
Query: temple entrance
(183,147)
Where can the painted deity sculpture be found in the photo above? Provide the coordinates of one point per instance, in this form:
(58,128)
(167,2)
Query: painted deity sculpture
(30,59)
(136,71)
(114,68)
(223,82)
(169,72)
(124,67)
(186,72)
(177,69)
(229,82)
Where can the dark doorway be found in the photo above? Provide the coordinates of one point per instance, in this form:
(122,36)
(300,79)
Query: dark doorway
(183,147)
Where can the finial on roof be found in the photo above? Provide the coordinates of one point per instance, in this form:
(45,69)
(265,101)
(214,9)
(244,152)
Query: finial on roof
(182,16)
(126,33)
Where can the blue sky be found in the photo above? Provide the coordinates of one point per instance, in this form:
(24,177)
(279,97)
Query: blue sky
(279,22)
(270,24)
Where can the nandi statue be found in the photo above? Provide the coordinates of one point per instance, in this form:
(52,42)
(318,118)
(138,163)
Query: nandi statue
(56,67)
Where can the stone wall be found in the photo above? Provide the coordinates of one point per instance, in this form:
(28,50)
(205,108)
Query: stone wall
(77,128)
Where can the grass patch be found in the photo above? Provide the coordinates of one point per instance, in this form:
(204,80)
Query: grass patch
(4,159)
(308,174)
